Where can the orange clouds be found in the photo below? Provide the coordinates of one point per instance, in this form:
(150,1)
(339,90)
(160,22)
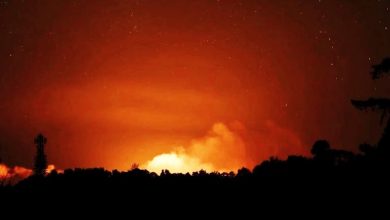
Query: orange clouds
(12,175)
(177,161)
(3,171)
(219,150)
(222,147)
(228,148)
(270,139)
(120,83)
(51,167)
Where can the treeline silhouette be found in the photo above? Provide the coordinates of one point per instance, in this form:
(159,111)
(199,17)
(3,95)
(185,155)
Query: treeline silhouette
(337,168)
(327,172)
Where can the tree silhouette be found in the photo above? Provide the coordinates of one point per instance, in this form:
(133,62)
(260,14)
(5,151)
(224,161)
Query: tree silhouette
(320,148)
(40,158)
(243,173)
(379,104)
(381,69)
(134,166)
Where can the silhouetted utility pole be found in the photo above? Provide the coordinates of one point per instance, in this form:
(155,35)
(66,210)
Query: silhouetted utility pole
(40,158)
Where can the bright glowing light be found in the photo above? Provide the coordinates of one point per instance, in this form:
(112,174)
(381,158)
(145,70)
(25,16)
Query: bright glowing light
(3,171)
(176,162)
(50,168)
(208,153)
(169,160)
(12,175)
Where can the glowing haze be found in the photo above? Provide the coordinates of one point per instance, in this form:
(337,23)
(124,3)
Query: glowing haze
(186,84)
(11,175)
(209,153)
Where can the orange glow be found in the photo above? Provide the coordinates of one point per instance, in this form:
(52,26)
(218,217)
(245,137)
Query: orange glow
(209,153)
(21,172)
(143,81)
(12,175)
(126,97)
(176,163)
(50,168)
(226,148)
(3,171)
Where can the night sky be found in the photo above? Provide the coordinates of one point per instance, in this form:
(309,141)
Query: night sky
(210,84)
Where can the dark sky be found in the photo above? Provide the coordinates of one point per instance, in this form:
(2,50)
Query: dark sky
(218,84)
